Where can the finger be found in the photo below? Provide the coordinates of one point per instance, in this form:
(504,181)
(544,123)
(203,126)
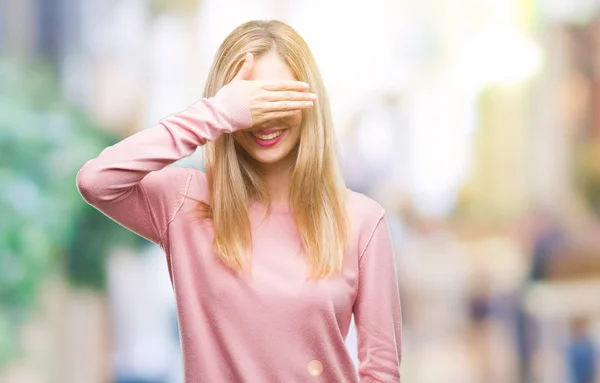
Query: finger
(278,106)
(290,95)
(299,86)
(246,69)
(279,115)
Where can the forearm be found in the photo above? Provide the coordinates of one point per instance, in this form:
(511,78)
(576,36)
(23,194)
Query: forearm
(120,167)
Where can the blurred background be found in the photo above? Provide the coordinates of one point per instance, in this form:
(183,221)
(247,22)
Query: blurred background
(476,123)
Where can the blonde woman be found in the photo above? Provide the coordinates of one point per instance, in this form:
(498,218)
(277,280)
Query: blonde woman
(269,254)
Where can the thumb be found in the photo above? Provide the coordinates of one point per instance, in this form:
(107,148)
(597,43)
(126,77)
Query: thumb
(246,68)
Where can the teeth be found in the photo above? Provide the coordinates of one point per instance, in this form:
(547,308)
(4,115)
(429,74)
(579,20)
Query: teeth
(266,137)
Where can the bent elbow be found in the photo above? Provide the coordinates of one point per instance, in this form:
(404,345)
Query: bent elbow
(87,184)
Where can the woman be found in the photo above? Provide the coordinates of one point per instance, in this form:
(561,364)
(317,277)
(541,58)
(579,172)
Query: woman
(269,254)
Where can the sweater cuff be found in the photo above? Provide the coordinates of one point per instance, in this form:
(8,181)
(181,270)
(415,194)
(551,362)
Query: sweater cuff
(237,112)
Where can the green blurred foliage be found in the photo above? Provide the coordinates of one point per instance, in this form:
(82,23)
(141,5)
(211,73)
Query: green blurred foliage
(45,226)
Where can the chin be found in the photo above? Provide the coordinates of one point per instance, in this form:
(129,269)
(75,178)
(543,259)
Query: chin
(269,158)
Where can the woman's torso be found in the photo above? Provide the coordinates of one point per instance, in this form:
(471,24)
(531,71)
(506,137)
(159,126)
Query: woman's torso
(275,325)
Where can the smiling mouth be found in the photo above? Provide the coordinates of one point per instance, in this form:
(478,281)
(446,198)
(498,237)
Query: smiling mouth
(266,138)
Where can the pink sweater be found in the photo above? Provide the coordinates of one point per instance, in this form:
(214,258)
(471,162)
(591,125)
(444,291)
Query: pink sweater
(273,327)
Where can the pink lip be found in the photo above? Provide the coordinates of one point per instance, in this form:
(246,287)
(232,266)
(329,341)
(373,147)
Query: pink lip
(267,143)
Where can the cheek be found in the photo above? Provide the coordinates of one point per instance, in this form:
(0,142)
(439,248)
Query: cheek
(294,135)
(296,121)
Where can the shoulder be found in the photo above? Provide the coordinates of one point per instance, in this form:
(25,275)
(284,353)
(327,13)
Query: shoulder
(198,188)
(363,208)
(178,177)
(172,178)
(175,186)
(365,215)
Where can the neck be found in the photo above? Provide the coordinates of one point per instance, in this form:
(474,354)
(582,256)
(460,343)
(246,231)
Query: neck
(277,179)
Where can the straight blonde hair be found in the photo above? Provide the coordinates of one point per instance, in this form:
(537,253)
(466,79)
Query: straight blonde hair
(318,193)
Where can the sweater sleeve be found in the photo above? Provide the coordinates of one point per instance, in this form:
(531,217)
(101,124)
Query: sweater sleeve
(377,310)
(129,181)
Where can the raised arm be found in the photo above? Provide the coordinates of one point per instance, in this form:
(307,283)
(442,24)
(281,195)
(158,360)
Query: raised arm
(377,310)
(129,182)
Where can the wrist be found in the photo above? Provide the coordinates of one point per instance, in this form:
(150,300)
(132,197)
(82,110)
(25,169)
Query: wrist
(235,108)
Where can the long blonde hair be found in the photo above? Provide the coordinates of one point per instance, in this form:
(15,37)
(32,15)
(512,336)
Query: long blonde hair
(318,194)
